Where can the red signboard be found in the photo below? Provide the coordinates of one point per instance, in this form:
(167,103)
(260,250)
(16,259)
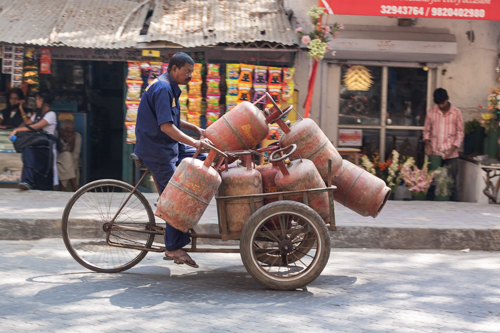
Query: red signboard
(448,9)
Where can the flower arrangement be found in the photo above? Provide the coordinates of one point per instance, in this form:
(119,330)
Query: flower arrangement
(389,171)
(418,180)
(489,121)
(317,39)
(444,182)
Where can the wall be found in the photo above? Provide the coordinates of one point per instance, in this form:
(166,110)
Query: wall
(468,78)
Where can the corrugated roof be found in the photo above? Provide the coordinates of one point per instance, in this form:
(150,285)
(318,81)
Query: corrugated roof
(74,23)
(28,21)
(193,23)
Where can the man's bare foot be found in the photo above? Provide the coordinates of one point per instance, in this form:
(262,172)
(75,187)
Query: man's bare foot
(181,257)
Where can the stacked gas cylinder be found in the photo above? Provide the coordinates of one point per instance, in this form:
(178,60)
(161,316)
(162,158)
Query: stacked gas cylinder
(299,162)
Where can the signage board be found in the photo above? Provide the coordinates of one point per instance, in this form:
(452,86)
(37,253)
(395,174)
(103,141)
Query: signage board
(350,137)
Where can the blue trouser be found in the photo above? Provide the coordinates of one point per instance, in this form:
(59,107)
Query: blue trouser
(162,170)
(38,168)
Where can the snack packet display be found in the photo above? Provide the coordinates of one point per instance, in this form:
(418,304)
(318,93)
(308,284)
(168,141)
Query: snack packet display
(231,102)
(155,71)
(184,89)
(246,74)
(184,116)
(194,103)
(212,117)
(197,72)
(275,75)
(260,75)
(164,67)
(183,101)
(134,90)
(213,70)
(232,87)
(193,118)
(213,102)
(232,71)
(288,75)
(275,92)
(195,88)
(132,107)
(130,132)
(244,92)
(134,70)
(213,86)
(259,91)
(145,66)
(287,93)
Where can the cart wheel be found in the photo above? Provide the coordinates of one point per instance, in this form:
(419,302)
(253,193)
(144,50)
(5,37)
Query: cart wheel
(85,226)
(298,243)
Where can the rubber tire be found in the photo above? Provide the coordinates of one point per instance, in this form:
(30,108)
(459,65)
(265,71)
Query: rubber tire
(76,196)
(260,216)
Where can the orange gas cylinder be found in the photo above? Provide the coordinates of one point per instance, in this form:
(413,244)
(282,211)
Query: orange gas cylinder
(189,192)
(243,127)
(311,142)
(359,190)
(268,172)
(240,180)
(298,175)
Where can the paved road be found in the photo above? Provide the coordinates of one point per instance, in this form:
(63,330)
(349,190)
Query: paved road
(43,289)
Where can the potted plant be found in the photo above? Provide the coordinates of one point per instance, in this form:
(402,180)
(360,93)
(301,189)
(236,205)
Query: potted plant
(418,180)
(474,137)
(444,183)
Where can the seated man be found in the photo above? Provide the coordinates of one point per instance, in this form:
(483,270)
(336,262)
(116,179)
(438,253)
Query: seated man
(69,155)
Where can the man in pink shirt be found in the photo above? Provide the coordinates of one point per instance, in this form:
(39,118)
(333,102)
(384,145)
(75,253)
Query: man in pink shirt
(444,134)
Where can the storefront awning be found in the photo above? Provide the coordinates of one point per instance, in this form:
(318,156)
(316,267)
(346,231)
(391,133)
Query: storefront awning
(194,23)
(394,44)
(104,24)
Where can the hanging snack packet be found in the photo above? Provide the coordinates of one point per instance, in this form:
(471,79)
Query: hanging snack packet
(194,103)
(288,75)
(184,89)
(275,92)
(197,72)
(193,118)
(195,88)
(130,132)
(134,70)
(213,70)
(232,87)
(132,107)
(212,117)
(274,75)
(164,67)
(231,102)
(184,116)
(259,91)
(244,92)
(246,73)
(213,102)
(183,99)
(134,90)
(232,71)
(260,75)
(287,93)
(155,71)
(213,86)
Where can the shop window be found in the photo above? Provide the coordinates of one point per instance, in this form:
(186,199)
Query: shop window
(406,142)
(360,95)
(371,142)
(406,96)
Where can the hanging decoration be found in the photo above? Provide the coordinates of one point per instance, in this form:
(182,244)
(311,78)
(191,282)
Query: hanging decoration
(358,78)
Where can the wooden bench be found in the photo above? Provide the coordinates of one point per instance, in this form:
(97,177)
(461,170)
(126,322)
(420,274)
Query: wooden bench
(350,152)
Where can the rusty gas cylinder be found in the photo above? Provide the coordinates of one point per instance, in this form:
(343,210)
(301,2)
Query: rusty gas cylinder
(189,192)
(298,175)
(268,172)
(243,127)
(240,180)
(311,142)
(360,191)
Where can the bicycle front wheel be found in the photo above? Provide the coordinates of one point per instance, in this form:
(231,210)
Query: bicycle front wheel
(91,240)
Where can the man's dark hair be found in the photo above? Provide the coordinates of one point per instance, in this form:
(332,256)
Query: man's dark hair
(440,96)
(46,95)
(18,92)
(179,60)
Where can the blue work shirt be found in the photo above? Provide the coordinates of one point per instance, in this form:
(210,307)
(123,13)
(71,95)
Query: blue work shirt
(159,104)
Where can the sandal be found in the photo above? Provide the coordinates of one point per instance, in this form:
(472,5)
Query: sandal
(178,260)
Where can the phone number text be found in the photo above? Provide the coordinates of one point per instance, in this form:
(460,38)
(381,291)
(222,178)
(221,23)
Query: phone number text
(437,12)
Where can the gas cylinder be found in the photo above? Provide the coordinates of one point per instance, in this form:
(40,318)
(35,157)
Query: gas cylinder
(243,127)
(240,180)
(189,191)
(359,190)
(298,175)
(311,142)
(268,172)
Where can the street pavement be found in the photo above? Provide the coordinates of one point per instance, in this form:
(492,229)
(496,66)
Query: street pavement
(44,290)
(400,225)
